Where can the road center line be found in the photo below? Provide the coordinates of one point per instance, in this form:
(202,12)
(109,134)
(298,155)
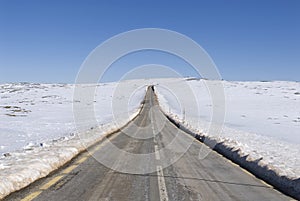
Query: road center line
(161,184)
(152,126)
(157,156)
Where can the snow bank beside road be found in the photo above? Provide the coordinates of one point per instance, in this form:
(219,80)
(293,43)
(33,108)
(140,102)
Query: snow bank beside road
(261,130)
(22,168)
(35,113)
(261,125)
(41,115)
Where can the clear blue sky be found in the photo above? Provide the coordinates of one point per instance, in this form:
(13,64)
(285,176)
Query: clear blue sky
(46,41)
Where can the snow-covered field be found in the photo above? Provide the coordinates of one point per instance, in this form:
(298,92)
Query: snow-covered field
(38,133)
(31,114)
(262,118)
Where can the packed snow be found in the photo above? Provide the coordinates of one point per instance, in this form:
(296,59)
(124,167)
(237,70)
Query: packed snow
(262,118)
(38,133)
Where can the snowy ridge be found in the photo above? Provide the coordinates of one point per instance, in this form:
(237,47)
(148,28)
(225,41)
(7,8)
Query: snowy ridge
(38,133)
(22,168)
(273,160)
(258,167)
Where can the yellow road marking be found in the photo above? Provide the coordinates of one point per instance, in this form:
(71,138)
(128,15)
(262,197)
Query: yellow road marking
(81,160)
(31,196)
(94,150)
(232,163)
(247,172)
(51,182)
(65,171)
(263,182)
(69,169)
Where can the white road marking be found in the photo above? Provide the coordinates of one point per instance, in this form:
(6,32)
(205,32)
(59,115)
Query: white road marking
(199,197)
(152,126)
(157,156)
(161,184)
(104,199)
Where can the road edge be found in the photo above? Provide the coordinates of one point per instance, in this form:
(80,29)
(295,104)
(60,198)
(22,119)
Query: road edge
(108,132)
(290,187)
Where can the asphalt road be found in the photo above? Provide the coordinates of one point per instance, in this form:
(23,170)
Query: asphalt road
(162,167)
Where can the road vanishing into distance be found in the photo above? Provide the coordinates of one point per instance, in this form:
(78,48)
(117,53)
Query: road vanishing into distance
(167,174)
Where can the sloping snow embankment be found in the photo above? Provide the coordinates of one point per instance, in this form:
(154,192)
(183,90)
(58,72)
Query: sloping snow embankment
(272,158)
(20,168)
